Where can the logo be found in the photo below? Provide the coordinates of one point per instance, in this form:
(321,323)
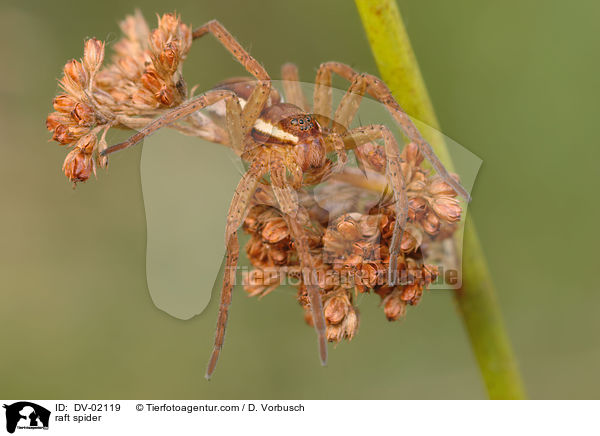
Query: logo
(26,415)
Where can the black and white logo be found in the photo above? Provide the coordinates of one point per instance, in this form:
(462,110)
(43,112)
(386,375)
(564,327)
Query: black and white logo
(26,415)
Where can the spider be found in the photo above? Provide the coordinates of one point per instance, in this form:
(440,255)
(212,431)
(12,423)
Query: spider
(289,142)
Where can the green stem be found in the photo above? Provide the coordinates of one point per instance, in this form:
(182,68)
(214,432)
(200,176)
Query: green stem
(476,300)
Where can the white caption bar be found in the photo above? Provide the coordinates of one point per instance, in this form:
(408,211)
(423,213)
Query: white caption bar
(307,418)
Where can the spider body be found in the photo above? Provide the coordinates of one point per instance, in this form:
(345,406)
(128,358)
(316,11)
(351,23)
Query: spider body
(283,132)
(289,137)
(289,141)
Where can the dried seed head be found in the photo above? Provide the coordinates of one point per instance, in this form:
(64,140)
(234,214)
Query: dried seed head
(83,114)
(135,28)
(166,97)
(344,330)
(369,225)
(355,249)
(56,119)
(430,274)
(447,208)
(78,165)
(63,103)
(78,131)
(336,309)
(261,282)
(373,155)
(409,242)
(367,275)
(75,71)
(87,143)
(348,228)
(412,155)
(169,57)
(431,224)
(144,99)
(437,186)
(416,185)
(93,55)
(152,81)
(130,67)
(102,161)
(61,134)
(417,207)
(275,230)
(412,294)
(352,321)
(394,307)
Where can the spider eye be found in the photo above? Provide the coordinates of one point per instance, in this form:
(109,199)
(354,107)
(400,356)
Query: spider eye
(294,121)
(301,121)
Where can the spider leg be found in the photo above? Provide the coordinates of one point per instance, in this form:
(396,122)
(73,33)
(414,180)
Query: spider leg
(291,87)
(295,215)
(310,280)
(378,90)
(344,115)
(396,180)
(349,104)
(233,250)
(200,126)
(307,265)
(209,132)
(257,100)
(174,115)
(285,194)
(233,121)
(322,96)
(347,107)
(340,150)
(338,145)
(237,211)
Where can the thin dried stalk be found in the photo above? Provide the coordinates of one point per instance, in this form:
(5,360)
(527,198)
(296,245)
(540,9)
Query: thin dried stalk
(476,300)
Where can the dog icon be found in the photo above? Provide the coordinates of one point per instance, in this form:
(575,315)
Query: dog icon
(30,413)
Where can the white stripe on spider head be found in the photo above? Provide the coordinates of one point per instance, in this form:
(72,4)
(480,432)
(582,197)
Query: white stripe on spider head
(274,131)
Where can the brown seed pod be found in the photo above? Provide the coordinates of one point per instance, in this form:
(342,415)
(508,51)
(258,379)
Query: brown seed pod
(93,54)
(275,230)
(394,307)
(63,103)
(78,165)
(447,208)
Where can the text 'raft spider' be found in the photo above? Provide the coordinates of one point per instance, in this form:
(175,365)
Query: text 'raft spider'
(289,142)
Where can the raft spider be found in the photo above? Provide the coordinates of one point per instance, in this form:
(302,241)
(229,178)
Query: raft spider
(289,143)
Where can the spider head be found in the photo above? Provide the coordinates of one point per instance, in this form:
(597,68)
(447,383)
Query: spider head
(286,124)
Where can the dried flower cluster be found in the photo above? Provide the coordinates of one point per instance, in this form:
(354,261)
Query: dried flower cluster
(143,79)
(350,251)
(146,70)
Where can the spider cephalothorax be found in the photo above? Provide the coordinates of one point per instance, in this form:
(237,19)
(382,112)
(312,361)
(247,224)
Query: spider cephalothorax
(285,143)
(286,135)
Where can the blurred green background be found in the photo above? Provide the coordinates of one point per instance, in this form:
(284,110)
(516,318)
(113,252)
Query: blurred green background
(515,82)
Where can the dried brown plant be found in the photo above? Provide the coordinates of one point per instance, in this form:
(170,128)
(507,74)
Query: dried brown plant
(351,250)
(288,146)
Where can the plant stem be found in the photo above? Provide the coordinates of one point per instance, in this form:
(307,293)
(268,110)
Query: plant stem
(476,300)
